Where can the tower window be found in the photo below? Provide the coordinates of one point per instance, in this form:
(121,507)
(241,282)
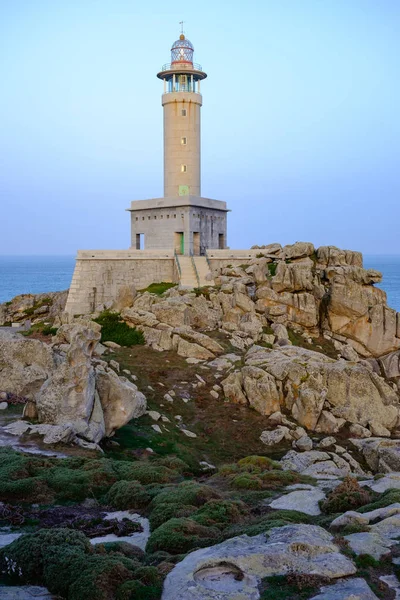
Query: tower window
(184,112)
(183,168)
(184,141)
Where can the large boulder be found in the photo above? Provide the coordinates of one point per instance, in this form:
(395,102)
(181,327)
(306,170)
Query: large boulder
(234,569)
(25,364)
(68,395)
(119,398)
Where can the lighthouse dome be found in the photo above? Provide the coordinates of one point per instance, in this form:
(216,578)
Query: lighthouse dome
(182,50)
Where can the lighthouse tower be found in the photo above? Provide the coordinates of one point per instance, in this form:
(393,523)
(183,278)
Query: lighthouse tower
(182,220)
(182,103)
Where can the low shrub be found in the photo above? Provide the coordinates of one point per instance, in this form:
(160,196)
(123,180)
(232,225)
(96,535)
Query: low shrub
(272,269)
(125,495)
(346,496)
(178,536)
(114,329)
(165,512)
(220,513)
(247,481)
(68,565)
(144,472)
(136,590)
(258,464)
(186,493)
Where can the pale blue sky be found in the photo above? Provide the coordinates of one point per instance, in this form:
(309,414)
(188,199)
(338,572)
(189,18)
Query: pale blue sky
(300,121)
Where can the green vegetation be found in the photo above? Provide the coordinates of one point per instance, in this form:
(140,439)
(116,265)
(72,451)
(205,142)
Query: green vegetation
(389,497)
(349,495)
(125,495)
(45,302)
(158,288)
(272,268)
(66,563)
(293,586)
(182,535)
(114,329)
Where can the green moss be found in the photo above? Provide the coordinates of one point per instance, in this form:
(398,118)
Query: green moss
(159,288)
(178,536)
(114,329)
(125,495)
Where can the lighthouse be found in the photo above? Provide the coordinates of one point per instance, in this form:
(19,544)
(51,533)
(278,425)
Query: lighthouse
(182,102)
(182,219)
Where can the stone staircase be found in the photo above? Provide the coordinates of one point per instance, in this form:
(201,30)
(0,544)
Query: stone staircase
(192,271)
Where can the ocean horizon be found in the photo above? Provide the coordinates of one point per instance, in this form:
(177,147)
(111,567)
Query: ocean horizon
(40,274)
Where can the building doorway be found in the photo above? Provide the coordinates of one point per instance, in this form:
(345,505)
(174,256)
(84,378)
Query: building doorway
(140,241)
(179,242)
(221,241)
(196,243)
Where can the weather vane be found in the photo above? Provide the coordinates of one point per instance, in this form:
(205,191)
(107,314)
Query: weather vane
(181,24)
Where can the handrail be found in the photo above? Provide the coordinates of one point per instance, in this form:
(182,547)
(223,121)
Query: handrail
(177,264)
(195,269)
(189,66)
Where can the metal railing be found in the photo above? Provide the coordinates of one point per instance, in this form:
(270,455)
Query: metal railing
(191,66)
(178,266)
(195,269)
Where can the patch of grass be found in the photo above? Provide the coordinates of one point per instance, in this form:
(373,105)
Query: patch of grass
(158,288)
(293,586)
(114,329)
(272,268)
(274,518)
(348,495)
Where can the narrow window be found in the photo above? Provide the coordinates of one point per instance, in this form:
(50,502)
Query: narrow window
(149,218)
(174,216)
(167,216)
(183,113)
(142,218)
(184,141)
(183,168)
(137,218)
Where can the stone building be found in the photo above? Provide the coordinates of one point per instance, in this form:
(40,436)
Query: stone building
(182,220)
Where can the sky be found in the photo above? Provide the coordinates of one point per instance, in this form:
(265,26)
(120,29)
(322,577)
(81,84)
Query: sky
(300,119)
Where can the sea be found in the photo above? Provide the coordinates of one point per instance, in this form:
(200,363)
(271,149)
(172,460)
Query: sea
(37,274)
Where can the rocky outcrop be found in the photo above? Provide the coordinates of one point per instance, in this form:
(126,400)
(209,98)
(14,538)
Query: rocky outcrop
(33,307)
(234,568)
(316,390)
(74,396)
